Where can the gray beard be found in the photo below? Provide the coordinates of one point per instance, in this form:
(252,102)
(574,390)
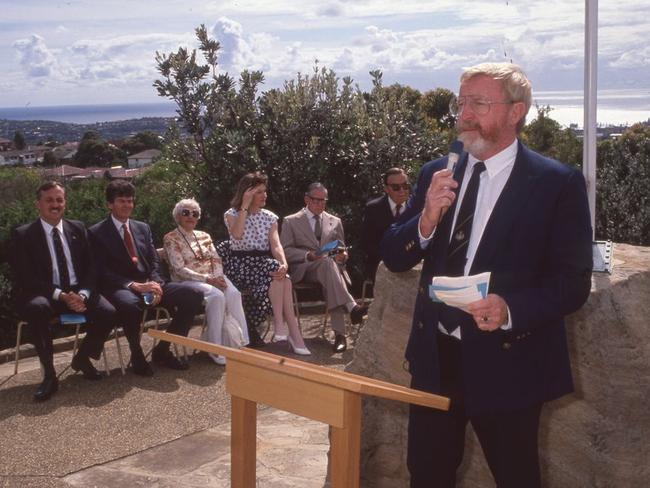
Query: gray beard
(473,145)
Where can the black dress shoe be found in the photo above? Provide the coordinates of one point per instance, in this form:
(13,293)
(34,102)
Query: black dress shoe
(340,343)
(167,359)
(46,389)
(140,365)
(357,313)
(83,364)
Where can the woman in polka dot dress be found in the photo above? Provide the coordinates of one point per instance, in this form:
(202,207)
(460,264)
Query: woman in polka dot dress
(258,264)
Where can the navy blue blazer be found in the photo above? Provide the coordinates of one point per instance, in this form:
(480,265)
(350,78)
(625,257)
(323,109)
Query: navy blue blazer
(377,217)
(537,245)
(114,266)
(32,263)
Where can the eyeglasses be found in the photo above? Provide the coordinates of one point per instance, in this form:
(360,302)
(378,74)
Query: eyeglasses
(399,186)
(187,212)
(480,106)
(317,200)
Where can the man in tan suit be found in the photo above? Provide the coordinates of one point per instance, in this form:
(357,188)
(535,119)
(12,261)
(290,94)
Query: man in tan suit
(303,233)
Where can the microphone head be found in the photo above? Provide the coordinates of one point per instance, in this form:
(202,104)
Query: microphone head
(456,147)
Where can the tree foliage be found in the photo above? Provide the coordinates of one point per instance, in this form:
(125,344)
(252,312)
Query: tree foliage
(19,140)
(141,142)
(317,127)
(95,151)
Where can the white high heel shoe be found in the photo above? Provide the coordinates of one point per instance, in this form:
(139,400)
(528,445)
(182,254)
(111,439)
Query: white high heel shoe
(302,351)
(279,338)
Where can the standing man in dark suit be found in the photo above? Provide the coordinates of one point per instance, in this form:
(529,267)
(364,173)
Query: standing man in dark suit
(524,218)
(128,269)
(380,213)
(55,274)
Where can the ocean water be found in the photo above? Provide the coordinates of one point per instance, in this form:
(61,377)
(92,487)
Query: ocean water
(89,114)
(615,107)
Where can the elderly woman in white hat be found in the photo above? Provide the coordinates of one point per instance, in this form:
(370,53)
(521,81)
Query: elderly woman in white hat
(192,257)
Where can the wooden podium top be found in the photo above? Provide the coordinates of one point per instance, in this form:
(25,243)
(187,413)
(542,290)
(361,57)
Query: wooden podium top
(311,372)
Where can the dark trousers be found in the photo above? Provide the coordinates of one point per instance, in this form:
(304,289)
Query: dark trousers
(437,439)
(39,313)
(182,301)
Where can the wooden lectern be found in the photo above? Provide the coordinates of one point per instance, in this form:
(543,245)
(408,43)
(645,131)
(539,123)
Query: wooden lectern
(308,390)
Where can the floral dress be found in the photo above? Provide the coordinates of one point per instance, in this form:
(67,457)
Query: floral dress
(250,263)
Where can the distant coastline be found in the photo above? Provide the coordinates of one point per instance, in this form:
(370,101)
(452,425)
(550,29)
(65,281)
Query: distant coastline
(615,107)
(90,114)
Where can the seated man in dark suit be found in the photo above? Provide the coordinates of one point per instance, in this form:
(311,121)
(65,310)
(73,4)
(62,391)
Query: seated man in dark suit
(380,213)
(55,274)
(129,275)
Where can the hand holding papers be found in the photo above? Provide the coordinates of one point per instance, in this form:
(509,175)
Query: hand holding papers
(459,291)
(327,248)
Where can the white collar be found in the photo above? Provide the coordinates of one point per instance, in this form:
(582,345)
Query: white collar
(497,163)
(310,215)
(119,223)
(48,227)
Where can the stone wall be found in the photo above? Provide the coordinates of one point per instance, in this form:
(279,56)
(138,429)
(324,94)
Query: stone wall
(596,437)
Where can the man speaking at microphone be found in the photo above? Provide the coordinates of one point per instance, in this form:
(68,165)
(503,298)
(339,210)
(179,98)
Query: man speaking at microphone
(525,219)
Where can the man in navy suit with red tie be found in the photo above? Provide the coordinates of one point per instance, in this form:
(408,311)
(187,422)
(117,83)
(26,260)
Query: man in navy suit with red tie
(128,268)
(525,219)
(55,274)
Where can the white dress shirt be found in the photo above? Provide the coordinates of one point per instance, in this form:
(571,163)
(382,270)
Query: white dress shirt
(492,181)
(56,279)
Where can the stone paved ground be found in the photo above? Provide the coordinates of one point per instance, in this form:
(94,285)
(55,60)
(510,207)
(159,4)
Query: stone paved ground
(169,430)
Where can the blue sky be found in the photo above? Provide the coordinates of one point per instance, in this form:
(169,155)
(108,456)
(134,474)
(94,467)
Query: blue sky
(88,52)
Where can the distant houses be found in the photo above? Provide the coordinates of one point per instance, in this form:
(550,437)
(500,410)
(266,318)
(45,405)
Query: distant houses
(66,172)
(27,156)
(143,158)
(64,155)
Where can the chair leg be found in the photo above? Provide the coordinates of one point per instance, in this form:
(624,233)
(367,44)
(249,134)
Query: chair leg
(74,348)
(119,350)
(108,371)
(17,352)
(296,308)
(268,328)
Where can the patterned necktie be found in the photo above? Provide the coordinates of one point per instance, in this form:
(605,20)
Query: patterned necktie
(61,261)
(457,252)
(317,228)
(128,242)
(398,210)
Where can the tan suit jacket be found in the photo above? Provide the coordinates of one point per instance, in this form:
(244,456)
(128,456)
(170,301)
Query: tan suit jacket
(298,239)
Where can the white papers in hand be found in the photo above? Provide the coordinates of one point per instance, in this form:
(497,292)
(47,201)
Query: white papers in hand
(459,291)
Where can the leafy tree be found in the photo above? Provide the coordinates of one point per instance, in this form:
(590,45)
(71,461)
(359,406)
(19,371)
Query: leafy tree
(435,106)
(547,136)
(315,128)
(49,159)
(19,140)
(94,151)
(141,142)
(622,182)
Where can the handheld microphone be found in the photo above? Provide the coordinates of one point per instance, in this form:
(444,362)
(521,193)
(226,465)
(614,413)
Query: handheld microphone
(455,148)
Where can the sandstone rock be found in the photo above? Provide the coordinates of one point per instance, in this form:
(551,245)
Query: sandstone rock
(596,437)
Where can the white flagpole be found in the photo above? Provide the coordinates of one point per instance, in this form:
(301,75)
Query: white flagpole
(590,98)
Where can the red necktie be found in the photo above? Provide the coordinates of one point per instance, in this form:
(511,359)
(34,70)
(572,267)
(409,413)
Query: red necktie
(128,242)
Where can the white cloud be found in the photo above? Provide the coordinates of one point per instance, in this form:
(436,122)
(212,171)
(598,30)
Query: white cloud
(36,59)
